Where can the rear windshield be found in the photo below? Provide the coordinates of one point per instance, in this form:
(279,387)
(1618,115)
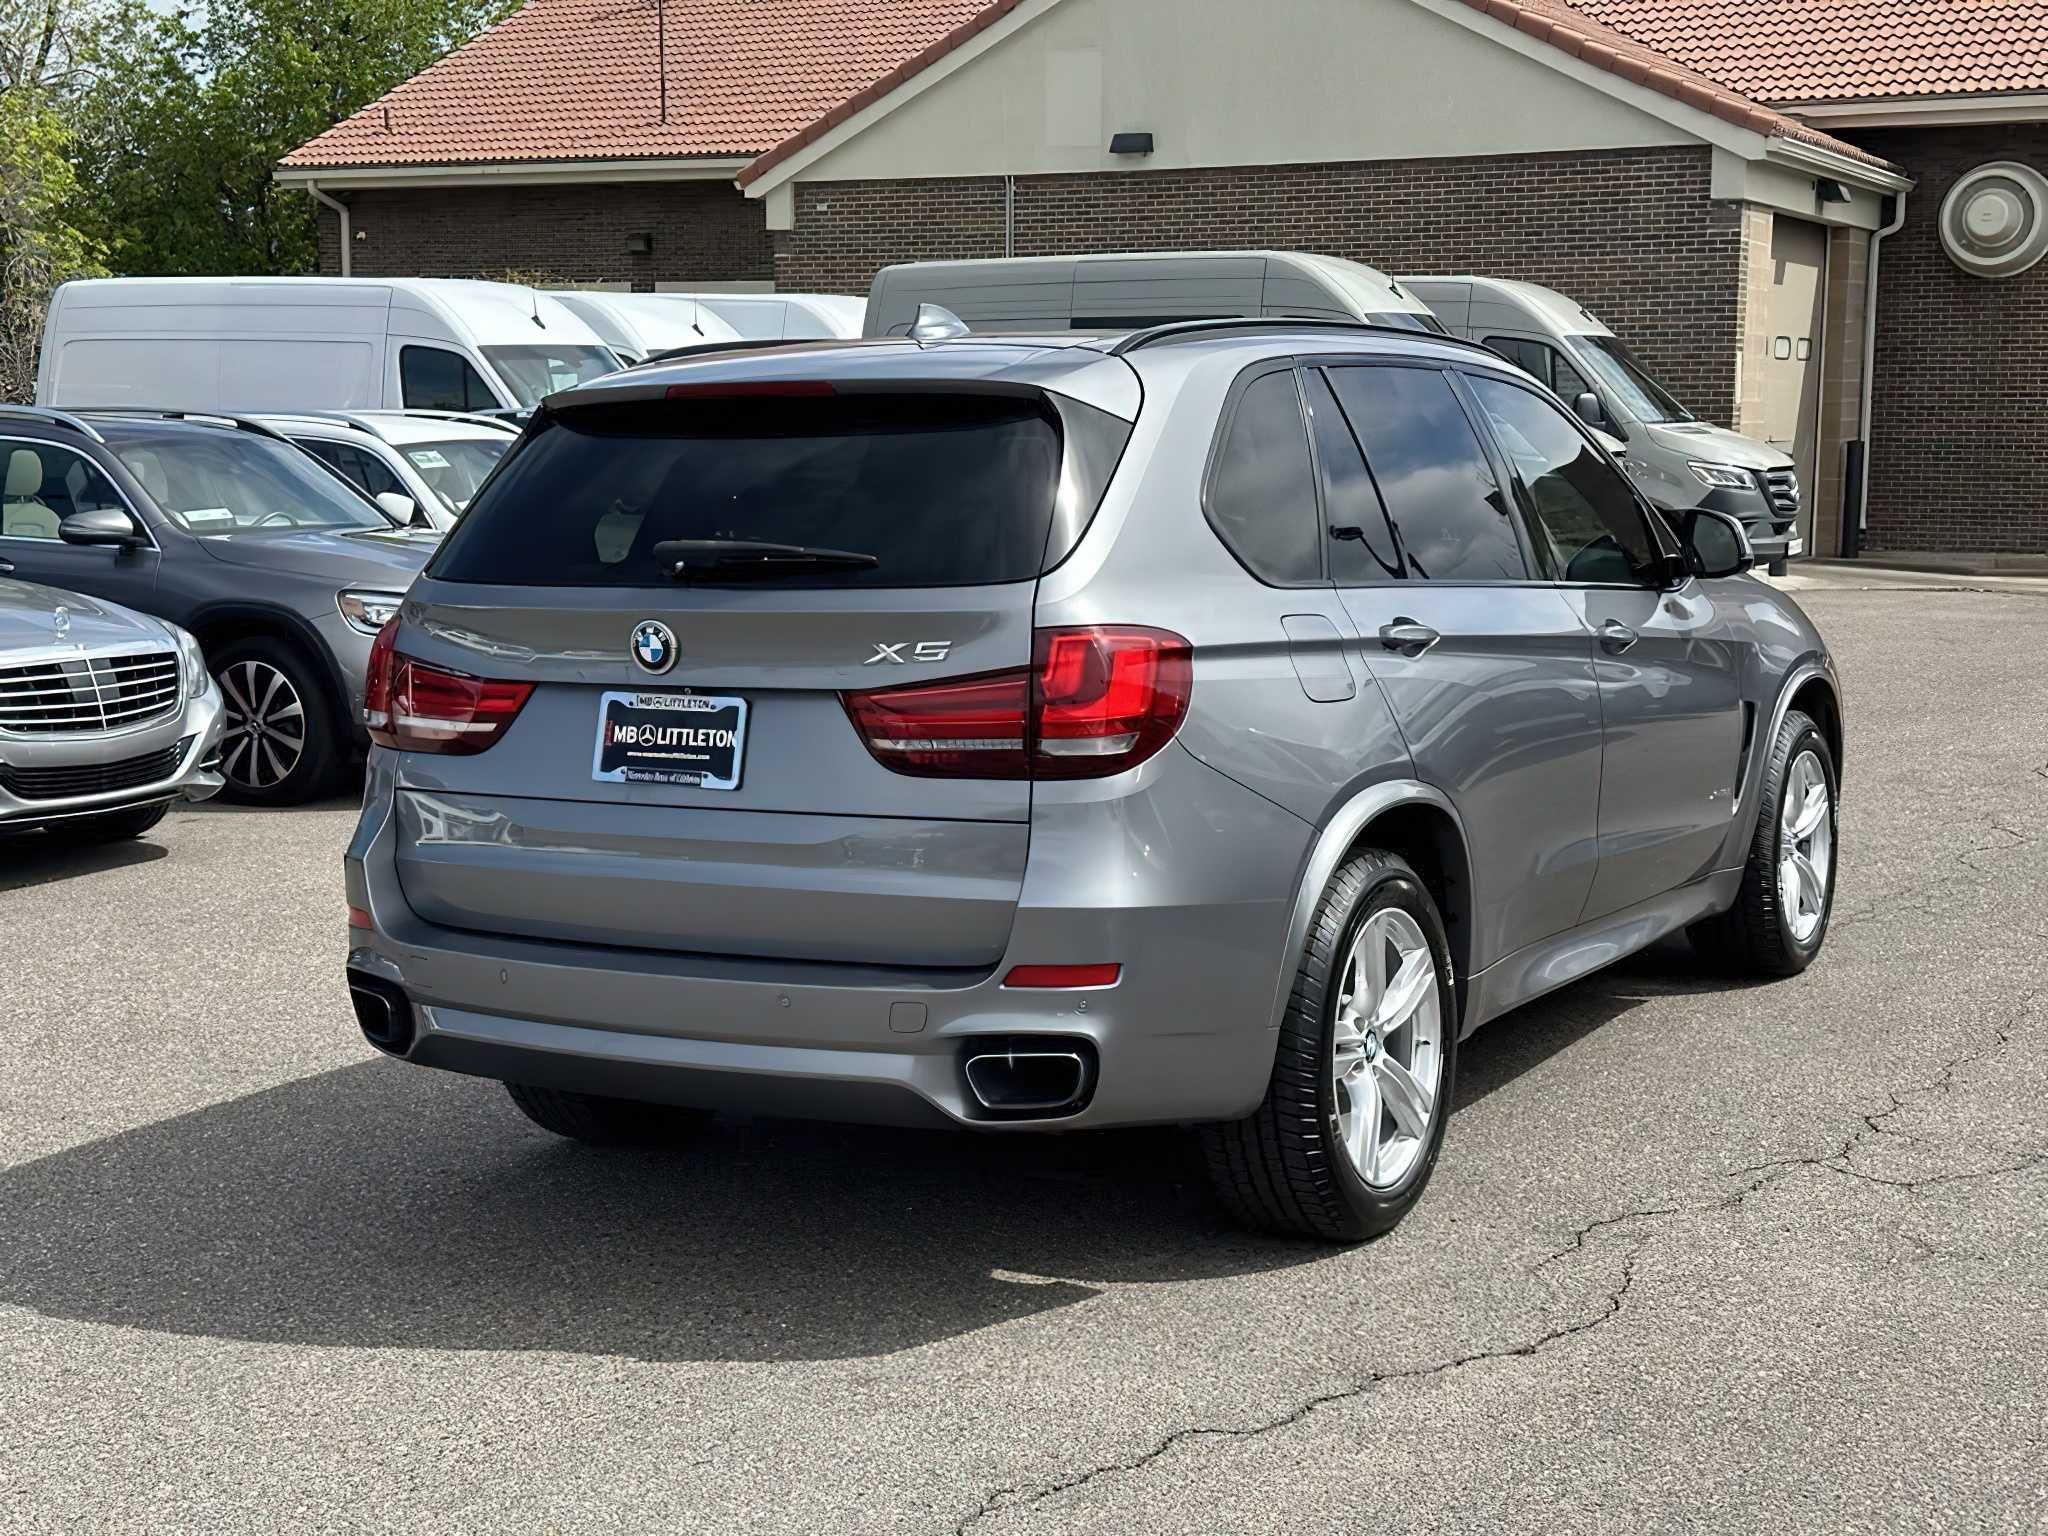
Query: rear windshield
(943,490)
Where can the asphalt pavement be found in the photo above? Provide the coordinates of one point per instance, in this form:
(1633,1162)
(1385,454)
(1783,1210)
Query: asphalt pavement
(1698,1256)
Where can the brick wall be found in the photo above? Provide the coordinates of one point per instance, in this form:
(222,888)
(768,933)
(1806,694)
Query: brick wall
(1631,233)
(703,231)
(1959,412)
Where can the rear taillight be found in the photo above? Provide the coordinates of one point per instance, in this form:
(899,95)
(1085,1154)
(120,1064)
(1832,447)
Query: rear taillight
(1096,701)
(417,708)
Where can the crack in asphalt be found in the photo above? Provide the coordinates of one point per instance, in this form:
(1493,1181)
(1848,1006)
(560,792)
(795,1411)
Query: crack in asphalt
(1760,1175)
(1003,1500)
(1901,1099)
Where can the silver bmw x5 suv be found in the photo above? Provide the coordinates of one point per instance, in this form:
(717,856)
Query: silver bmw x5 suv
(1211,725)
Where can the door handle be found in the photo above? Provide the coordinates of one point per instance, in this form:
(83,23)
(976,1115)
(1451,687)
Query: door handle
(1616,637)
(1408,637)
(6,566)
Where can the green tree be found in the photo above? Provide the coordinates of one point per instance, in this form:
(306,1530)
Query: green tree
(39,245)
(191,115)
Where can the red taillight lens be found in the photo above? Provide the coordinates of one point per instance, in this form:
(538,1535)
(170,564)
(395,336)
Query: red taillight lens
(417,708)
(1098,700)
(971,728)
(1106,697)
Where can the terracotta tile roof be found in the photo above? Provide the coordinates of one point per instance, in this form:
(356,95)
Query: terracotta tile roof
(576,80)
(1845,50)
(1550,20)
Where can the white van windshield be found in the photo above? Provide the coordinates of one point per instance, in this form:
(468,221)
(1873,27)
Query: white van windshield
(534,373)
(1622,375)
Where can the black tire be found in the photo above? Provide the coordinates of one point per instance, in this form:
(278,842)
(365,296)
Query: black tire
(243,668)
(109,826)
(1284,1169)
(1755,937)
(604,1122)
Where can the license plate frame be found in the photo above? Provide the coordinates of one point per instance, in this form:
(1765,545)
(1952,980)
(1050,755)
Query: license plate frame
(675,753)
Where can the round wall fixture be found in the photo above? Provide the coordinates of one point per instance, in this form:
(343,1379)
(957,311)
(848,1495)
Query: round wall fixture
(1994,221)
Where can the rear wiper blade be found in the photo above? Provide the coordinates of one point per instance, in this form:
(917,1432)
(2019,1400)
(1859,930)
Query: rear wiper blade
(687,559)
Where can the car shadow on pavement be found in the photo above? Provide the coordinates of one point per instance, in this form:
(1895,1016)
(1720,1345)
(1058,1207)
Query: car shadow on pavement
(1520,1041)
(35,858)
(381,1206)
(378,1206)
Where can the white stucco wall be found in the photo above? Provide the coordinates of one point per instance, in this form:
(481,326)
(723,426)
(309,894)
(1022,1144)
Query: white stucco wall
(1233,82)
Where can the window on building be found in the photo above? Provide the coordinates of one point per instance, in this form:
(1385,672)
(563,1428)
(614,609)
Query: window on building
(1451,515)
(1262,494)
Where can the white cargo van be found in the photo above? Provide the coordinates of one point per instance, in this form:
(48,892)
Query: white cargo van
(785,316)
(1678,461)
(1129,290)
(638,325)
(253,344)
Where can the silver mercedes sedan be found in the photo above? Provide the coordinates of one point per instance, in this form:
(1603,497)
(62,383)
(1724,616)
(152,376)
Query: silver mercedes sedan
(106,716)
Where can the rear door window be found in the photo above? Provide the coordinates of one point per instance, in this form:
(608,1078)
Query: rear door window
(943,490)
(1453,518)
(1262,493)
(1362,545)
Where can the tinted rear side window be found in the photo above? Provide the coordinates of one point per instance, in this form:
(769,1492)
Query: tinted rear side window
(1440,492)
(1262,494)
(944,490)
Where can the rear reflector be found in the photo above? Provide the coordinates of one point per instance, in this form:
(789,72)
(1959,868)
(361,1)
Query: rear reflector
(1063,976)
(414,707)
(1096,701)
(358,918)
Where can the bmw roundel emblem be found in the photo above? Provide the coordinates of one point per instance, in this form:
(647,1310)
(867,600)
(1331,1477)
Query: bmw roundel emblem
(654,645)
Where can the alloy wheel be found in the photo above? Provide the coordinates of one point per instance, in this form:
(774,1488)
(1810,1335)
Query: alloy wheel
(264,733)
(1386,1058)
(1806,846)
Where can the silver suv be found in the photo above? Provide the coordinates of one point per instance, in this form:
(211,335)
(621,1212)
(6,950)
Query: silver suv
(1211,725)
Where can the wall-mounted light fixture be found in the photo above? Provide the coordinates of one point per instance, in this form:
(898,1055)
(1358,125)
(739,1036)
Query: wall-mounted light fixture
(1131,144)
(1827,190)
(639,245)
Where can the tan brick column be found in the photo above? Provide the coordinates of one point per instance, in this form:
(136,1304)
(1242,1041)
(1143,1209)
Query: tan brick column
(1753,321)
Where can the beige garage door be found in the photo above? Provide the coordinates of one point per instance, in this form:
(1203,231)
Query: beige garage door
(1799,255)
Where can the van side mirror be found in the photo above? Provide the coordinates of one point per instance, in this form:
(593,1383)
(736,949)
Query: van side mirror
(1716,544)
(100,525)
(1586,406)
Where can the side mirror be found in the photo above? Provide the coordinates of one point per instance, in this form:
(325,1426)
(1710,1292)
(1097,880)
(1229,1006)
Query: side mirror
(1586,406)
(400,506)
(1716,544)
(100,525)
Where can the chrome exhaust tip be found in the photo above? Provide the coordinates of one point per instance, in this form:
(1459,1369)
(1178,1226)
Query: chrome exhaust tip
(383,1013)
(1030,1079)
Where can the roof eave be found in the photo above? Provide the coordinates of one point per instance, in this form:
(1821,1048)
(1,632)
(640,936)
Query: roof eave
(1819,160)
(513,173)
(1932,111)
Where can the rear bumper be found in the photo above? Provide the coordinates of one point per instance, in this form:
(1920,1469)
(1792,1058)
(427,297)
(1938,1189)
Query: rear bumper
(1198,922)
(187,745)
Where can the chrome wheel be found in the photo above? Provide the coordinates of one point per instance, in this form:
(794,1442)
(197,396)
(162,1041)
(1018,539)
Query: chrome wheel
(263,733)
(1386,1057)
(1806,846)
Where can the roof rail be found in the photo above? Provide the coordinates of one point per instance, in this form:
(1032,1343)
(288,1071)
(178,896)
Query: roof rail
(210,418)
(366,421)
(1198,330)
(55,418)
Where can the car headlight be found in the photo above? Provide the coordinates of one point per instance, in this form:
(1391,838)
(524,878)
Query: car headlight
(1726,476)
(191,662)
(368,612)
